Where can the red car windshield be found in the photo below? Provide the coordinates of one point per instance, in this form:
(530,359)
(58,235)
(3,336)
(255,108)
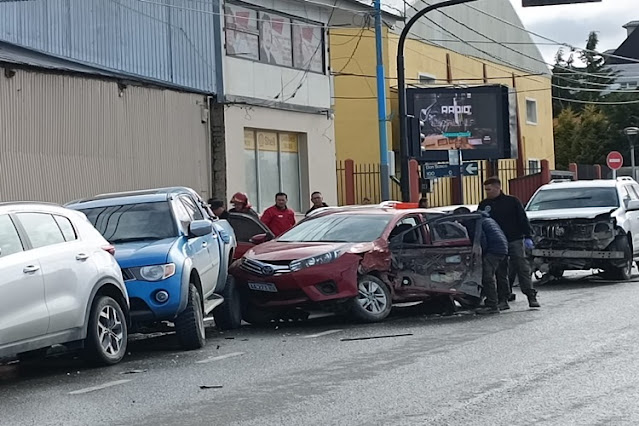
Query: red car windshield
(339,228)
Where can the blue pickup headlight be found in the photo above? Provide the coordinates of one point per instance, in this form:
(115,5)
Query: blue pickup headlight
(154,272)
(320,259)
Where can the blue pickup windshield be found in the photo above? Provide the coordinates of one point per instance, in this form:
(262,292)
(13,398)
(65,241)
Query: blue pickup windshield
(133,222)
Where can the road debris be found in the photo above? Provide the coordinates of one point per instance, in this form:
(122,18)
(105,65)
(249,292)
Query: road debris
(134,371)
(211,386)
(351,339)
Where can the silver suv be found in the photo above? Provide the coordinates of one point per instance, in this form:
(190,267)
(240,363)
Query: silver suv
(586,225)
(59,284)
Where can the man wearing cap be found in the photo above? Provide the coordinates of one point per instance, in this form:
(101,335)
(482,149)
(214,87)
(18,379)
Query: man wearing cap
(241,204)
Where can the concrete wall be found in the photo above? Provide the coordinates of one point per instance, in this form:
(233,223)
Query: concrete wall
(65,137)
(316,148)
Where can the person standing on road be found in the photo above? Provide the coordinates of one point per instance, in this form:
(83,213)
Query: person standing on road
(217,206)
(318,202)
(494,247)
(241,204)
(509,213)
(279,218)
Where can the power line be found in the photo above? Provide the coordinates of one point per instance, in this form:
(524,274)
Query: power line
(578,101)
(501,59)
(301,24)
(504,46)
(549,39)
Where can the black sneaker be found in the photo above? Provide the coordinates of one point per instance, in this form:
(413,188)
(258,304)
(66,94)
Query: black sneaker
(503,306)
(512,297)
(532,301)
(487,310)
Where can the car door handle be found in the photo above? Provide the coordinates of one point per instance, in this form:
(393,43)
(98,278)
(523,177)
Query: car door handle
(81,257)
(205,244)
(31,269)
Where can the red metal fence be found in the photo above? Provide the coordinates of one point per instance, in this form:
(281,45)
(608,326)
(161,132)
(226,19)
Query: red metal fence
(360,183)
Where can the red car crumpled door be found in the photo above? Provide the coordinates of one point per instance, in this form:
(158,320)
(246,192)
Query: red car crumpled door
(446,262)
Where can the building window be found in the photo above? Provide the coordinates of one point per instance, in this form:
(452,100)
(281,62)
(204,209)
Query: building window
(534,166)
(531,111)
(272,165)
(274,39)
(242,35)
(426,79)
(308,47)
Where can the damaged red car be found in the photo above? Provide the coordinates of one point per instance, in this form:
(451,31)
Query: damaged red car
(361,261)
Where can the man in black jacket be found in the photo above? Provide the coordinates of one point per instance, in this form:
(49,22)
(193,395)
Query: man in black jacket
(318,202)
(509,213)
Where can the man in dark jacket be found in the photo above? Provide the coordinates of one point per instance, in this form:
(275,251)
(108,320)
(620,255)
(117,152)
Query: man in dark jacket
(509,213)
(318,202)
(217,206)
(494,249)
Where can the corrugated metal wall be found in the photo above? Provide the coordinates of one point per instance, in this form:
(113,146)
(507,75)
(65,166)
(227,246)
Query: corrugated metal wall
(65,137)
(168,40)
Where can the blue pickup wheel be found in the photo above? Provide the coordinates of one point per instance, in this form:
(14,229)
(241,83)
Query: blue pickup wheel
(189,325)
(228,316)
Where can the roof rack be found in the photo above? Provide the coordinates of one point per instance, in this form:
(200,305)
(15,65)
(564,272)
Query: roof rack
(560,180)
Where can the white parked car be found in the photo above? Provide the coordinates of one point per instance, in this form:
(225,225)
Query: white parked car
(59,284)
(583,225)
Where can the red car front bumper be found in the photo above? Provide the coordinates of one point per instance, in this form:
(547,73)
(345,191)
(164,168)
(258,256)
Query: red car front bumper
(321,283)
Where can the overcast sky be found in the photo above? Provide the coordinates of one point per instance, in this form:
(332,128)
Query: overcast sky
(572,23)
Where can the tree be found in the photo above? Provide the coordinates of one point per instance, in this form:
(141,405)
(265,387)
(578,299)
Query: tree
(581,138)
(585,83)
(565,128)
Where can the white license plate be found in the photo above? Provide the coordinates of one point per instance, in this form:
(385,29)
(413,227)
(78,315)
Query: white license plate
(263,287)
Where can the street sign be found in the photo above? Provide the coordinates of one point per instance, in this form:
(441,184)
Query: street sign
(432,171)
(614,160)
(470,169)
(532,3)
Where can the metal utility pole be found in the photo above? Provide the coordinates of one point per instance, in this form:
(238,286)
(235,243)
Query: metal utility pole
(632,133)
(404,143)
(384,169)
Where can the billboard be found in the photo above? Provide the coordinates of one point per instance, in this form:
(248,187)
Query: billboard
(476,120)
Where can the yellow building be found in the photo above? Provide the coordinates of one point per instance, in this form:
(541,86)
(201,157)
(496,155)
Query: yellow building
(439,63)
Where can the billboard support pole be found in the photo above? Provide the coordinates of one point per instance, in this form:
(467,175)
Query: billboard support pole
(461,177)
(384,169)
(404,143)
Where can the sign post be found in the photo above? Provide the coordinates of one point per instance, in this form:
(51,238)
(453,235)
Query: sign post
(614,160)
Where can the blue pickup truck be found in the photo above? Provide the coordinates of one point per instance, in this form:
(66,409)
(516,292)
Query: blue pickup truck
(174,254)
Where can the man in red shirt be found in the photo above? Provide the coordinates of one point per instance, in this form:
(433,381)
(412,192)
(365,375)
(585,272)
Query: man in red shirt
(279,218)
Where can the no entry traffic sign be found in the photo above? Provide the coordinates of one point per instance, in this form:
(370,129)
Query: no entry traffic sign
(614,160)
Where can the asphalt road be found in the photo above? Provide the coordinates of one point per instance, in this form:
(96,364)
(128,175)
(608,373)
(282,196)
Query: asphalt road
(575,361)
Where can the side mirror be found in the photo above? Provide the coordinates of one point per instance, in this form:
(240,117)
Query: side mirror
(200,228)
(259,239)
(633,205)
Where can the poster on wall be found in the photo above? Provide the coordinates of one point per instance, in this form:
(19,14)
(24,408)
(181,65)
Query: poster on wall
(308,51)
(275,39)
(474,120)
(241,32)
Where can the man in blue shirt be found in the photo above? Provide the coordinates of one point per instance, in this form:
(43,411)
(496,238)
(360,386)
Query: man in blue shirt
(494,246)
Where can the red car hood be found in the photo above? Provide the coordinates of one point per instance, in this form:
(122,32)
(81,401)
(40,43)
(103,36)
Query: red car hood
(277,251)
